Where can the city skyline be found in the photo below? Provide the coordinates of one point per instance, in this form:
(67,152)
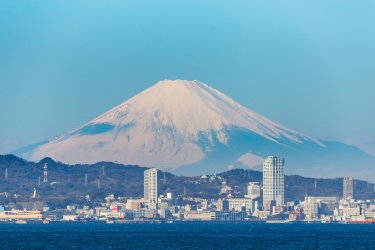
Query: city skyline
(256,203)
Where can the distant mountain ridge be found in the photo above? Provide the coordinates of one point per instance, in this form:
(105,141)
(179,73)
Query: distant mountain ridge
(66,183)
(190,128)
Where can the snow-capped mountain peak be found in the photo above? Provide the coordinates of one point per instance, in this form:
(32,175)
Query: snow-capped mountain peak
(192,107)
(171,124)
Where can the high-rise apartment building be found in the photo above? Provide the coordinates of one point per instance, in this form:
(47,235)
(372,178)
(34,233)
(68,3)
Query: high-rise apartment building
(348,187)
(273,181)
(151,188)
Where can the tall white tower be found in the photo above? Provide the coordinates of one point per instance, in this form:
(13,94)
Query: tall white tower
(273,181)
(45,173)
(151,188)
(348,187)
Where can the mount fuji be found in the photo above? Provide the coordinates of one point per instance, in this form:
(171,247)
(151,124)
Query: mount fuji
(191,128)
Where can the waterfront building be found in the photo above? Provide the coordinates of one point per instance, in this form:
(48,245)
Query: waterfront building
(199,216)
(133,204)
(240,204)
(165,214)
(151,188)
(349,211)
(261,214)
(109,213)
(253,190)
(348,208)
(20,215)
(273,182)
(222,205)
(277,210)
(144,214)
(70,217)
(326,203)
(370,213)
(235,204)
(229,216)
(348,188)
(311,209)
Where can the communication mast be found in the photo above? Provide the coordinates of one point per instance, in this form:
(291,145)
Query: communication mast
(45,173)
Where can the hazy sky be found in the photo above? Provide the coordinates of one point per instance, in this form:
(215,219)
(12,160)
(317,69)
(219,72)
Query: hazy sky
(309,65)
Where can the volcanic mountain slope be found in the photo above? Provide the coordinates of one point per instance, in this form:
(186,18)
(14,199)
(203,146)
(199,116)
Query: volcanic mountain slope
(191,128)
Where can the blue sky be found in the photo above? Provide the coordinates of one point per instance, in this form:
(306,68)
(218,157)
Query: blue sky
(309,65)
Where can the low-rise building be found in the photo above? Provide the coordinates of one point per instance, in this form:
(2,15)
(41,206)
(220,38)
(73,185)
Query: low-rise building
(229,216)
(70,217)
(199,216)
(134,204)
(240,204)
(20,215)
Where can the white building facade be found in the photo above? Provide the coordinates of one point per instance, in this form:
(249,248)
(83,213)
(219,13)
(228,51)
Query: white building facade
(273,181)
(240,204)
(151,188)
(253,190)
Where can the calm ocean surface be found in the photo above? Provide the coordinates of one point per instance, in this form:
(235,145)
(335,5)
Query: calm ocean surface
(187,236)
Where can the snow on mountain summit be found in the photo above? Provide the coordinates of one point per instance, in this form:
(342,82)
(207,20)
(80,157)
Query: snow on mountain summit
(192,107)
(163,126)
